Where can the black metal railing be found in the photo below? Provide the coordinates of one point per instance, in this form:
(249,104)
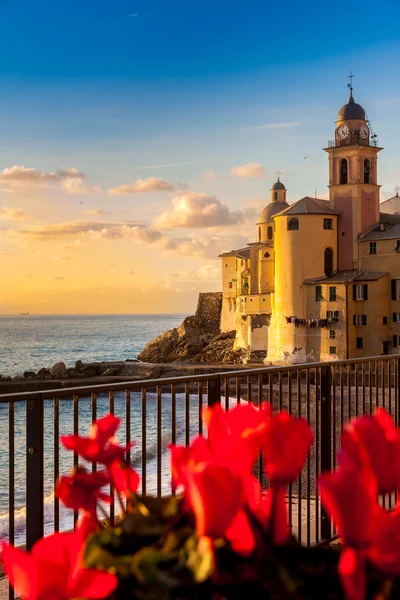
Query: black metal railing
(158,412)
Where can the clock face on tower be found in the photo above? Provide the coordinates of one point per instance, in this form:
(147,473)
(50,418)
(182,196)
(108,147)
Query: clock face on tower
(364,132)
(343,132)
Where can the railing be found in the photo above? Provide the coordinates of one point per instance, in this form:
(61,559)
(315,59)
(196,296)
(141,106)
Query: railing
(158,412)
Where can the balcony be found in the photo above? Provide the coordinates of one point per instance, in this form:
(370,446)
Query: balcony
(255,304)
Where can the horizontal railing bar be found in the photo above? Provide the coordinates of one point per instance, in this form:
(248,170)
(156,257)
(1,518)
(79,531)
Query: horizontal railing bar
(153,383)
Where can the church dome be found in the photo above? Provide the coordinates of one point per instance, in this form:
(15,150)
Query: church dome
(271,210)
(278,185)
(351,111)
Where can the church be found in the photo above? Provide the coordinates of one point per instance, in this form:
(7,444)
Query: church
(323,280)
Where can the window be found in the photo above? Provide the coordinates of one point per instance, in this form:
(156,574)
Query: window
(360,291)
(275,195)
(267,255)
(396,317)
(293,224)
(332,349)
(328,223)
(359,320)
(332,294)
(343,175)
(395,289)
(259,234)
(230,285)
(397,249)
(359,343)
(395,341)
(270,233)
(372,247)
(328,262)
(332,334)
(367,170)
(318,293)
(384,320)
(332,315)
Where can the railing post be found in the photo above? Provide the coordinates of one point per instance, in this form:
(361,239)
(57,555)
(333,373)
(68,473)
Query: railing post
(214,391)
(326,439)
(34,471)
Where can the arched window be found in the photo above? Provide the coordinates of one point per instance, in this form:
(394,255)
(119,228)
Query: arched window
(367,170)
(293,224)
(275,195)
(344,167)
(267,255)
(328,262)
(270,233)
(259,234)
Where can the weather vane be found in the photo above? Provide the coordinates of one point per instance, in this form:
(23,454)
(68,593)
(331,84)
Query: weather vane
(351,76)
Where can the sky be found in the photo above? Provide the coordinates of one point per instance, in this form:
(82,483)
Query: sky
(139,139)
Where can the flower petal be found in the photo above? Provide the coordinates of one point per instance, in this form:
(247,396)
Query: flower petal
(92,583)
(20,569)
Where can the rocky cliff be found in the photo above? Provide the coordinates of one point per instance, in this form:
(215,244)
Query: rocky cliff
(197,339)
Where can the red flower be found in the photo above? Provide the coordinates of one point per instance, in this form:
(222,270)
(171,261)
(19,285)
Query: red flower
(376,442)
(215,494)
(50,571)
(125,479)
(285,447)
(239,432)
(104,429)
(349,495)
(274,514)
(100,445)
(81,490)
(181,456)
(385,549)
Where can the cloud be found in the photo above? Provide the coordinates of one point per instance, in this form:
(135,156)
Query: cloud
(2,253)
(56,278)
(280,125)
(97,211)
(12,214)
(197,210)
(249,171)
(151,184)
(207,272)
(199,247)
(29,175)
(75,185)
(24,275)
(181,164)
(63,257)
(209,175)
(129,272)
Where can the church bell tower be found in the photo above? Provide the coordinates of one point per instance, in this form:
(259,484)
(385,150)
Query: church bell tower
(353,179)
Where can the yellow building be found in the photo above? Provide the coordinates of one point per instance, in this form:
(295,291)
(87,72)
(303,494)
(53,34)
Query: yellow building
(323,280)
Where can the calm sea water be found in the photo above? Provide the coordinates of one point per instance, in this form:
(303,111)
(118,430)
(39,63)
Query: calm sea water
(31,342)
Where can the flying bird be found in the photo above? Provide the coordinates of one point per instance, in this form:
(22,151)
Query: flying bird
(81,202)
(309,157)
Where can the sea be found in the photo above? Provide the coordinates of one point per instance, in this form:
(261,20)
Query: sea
(29,342)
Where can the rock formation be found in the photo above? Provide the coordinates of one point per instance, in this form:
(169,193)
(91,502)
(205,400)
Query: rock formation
(197,339)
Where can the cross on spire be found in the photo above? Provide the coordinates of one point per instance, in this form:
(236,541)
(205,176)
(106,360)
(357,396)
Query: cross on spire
(278,173)
(351,77)
(397,190)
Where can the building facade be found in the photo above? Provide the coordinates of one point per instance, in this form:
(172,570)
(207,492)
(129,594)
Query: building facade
(323,280)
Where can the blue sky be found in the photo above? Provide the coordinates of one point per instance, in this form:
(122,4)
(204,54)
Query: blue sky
(120,89)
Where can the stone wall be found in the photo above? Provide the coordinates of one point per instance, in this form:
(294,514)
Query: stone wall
(208,313)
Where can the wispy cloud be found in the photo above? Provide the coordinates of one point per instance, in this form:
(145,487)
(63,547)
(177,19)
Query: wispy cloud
(193,162)
(283,125)
(56,278)
(97,212)
(152,184)
(197,210)
(2,253)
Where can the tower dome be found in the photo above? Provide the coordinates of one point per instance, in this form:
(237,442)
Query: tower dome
(351,111)
(277,204)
